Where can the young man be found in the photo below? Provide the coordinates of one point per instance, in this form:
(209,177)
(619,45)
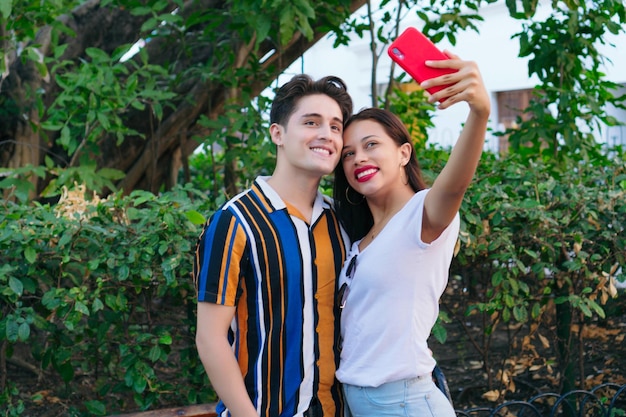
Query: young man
(266,264)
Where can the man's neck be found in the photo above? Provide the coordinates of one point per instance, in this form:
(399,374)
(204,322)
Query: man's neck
(299,192)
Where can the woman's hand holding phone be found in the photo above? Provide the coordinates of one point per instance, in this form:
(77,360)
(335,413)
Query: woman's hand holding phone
(411,50)
(446,77)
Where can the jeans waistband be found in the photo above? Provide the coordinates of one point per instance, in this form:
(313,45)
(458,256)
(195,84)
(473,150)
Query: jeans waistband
(401,382)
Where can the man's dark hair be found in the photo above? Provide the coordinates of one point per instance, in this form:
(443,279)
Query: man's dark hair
(302,85)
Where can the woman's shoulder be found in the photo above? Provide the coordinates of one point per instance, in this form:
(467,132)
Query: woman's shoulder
(418,197)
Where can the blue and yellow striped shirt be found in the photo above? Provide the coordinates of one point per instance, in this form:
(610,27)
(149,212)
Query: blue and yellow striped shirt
(258,254)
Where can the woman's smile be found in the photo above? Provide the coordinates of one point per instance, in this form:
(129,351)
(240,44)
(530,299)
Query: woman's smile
(365,173)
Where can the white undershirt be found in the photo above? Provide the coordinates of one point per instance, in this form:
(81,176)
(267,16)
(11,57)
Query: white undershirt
(394,300)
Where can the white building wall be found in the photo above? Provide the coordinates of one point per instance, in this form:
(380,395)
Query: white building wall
(492,48)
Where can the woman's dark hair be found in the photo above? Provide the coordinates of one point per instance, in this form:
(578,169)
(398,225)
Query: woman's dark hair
(302,85)
(351,207)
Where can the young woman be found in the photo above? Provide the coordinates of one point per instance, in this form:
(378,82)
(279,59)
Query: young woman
(403,236)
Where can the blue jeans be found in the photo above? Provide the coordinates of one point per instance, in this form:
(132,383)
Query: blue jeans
(415,397)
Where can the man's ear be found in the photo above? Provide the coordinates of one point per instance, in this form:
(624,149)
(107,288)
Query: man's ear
(276,133)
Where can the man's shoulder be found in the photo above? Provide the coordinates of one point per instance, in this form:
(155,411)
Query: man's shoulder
(243,195)
(247,203)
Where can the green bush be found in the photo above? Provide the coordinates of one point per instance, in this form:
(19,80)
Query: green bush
(530,228)
(542,245)
(101,292)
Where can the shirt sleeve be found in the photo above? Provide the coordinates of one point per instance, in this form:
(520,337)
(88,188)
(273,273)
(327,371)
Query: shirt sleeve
(417,214)
(220,253)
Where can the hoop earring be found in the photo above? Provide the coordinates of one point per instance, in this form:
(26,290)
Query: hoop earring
(406,174)
(352,202)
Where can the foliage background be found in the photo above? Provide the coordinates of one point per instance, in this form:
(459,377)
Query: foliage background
(95,296)
(99,292)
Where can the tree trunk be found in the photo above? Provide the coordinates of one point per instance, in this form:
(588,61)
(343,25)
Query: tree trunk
(147,161)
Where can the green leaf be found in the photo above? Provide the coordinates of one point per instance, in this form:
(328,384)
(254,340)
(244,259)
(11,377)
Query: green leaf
(585,309)
(139,383)
(138,105)
(171,18)
(66,139)
(497,278)
(23,332)
(287,25)
(520,313)
(155,353)
(16,286)
(123,272)
(536,310)
(440,333)
(531,253)
(60,50)
(5,8)
(598,309)
(111,301)
(98,55)
(140,11)
(508,300)
(263,25)
(149,24)
(65,239)
(110,173)
(506,315)
(12,329)
(165,339)
(50,300)
(96,408)
(104,120)
(195,217)
(81,307)
(141,197)
(30,284)
(159,5)
(97,305)
(30,254)
(66,370)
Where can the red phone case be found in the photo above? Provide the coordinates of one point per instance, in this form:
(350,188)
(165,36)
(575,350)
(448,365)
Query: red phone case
(411,49)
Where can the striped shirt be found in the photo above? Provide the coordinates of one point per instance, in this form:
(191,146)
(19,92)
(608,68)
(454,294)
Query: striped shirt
(259,254)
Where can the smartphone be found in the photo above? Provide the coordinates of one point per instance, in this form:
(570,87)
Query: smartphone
(411,49)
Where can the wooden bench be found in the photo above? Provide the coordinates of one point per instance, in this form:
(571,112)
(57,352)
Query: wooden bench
(200,410)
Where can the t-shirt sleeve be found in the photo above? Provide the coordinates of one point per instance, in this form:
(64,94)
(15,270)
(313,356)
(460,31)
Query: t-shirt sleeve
(448,233)
(219,256)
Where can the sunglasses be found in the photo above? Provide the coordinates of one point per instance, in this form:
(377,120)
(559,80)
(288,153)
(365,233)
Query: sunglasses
(342,295)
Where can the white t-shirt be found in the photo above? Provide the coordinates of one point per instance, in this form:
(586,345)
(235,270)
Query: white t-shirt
(394,300)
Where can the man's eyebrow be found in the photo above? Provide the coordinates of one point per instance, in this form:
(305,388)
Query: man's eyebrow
(311,115)
(319,116)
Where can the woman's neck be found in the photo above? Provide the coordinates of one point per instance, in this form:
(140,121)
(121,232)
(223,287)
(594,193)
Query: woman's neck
(383,210)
